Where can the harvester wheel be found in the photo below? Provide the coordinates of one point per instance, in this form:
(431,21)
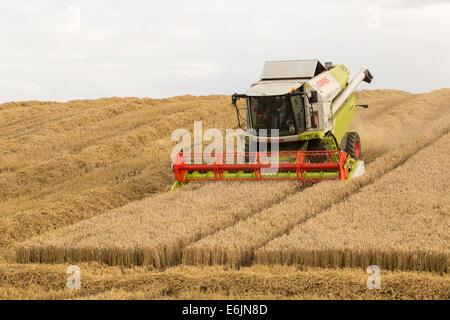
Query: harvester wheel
(353,146)
(317,145)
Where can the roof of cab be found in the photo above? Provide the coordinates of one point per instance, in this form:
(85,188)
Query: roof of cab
(291,69)
(274,88)
(280,77)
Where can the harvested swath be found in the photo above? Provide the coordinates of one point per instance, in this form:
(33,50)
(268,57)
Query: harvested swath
(380,101)
(72,203)
(402,221)
(127,141)
(387,126)
(94,174)
(256,282)
(67,132)
(154,231)
(237,245)
(83,117)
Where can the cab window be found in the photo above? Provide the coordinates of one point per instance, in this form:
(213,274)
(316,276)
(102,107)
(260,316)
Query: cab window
(299,112)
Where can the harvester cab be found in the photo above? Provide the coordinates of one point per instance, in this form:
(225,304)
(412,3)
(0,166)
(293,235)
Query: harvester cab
(298,113)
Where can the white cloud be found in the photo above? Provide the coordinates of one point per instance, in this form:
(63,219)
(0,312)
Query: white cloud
(165,48)
(11,89)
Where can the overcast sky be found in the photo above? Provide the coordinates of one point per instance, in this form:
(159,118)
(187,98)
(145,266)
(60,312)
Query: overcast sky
(62,50)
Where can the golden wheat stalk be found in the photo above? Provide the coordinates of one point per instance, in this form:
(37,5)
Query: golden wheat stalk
(399,222)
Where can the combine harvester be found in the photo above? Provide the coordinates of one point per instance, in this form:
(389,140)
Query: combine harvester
(312,106)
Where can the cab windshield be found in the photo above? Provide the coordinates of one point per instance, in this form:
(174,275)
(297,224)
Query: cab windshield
(272,112)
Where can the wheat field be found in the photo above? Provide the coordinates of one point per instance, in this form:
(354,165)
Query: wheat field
(236,245)
(86,182)
(90,157)
(162,226)
(372,227)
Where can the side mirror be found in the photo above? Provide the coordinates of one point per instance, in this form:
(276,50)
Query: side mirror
(234,99)
(313,98)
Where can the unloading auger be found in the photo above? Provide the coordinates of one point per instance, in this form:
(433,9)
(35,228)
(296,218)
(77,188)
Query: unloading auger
(311,106)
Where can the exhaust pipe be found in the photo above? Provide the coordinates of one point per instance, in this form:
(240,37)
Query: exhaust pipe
(363,75)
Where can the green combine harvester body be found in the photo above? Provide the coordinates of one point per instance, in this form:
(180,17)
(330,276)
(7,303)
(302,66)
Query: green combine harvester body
(297,121)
